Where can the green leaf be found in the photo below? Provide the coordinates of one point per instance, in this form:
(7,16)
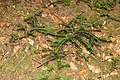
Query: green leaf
(29,17)
(95,22)
(50,31)
(21,27)
(14,37)
(37,12)
(1,69)
(67,2)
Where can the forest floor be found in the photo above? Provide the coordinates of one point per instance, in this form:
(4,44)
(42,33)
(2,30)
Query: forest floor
(21,60)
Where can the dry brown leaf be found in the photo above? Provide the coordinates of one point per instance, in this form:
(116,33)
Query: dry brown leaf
(94,69)
(118,41)
(62,26)
(85,51)
(113,39)
(74,79)
(30,41)
(45,53)
(116,48)
(73,50)
(44,15)
(110,46)
(44,68)
(114,73)
(16,49)
(26,49)
(57,72)
(43,45)
(65,19)
(54,18)
(95,78)
(51,38)
(98,54)
(71,73)
(84,74)
(72,66)
(1,62)
(105,76)
(3,39)
(108,58)
(38,56)
(2,24)
(65,49)
(118,51)
(111,74)
(81,62)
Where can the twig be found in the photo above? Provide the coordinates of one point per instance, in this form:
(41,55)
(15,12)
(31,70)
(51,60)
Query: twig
(41,64)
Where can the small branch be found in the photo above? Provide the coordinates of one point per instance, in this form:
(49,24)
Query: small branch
(41,64)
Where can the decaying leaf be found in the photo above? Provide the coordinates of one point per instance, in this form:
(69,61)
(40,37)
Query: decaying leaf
(111,74)
(74,79)
(16,49)
(113,39)
(84,74)
(71,73)
(110,46)
(44,68)
(95,78)
(114,73)
(3,39)
(30,41)
(65,19)
(1,62)
(54,18)
(85,51)
(45,53)
(2,24)
(44,45)
(108,58)
(94,68)
(44,15)
(72,66)
(57,72)
(40,55)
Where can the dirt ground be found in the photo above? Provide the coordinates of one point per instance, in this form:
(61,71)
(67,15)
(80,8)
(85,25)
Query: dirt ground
(19,60)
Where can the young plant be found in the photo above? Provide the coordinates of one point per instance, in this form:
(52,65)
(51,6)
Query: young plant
(78,37)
